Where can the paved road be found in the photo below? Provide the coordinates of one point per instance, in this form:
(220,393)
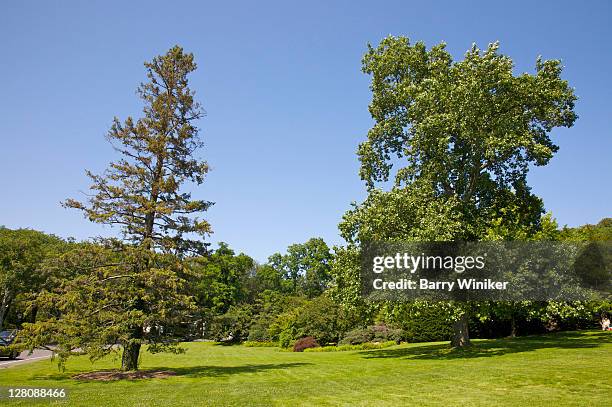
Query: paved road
(38,354)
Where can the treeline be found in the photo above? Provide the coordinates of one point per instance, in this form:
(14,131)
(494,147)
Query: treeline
(230,298)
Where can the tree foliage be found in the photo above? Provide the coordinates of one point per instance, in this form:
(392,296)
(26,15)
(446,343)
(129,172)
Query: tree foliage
(100,292)
(22,254)
(306,266)
(142,192)
(138,297)
(221,278)
(461,135)
(465,130)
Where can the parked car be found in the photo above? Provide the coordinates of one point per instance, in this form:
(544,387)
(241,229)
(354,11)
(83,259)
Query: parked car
(6,339)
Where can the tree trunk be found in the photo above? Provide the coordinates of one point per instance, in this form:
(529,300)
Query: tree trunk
(461,336)
(33,314)
(4,306)
(513,326)
(129,359)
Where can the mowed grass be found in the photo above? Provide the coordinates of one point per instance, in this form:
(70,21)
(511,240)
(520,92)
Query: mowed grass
(563,369)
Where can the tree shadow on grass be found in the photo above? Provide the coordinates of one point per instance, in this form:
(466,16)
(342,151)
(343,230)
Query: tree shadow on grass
(187,371)
(495,347)
(216,371)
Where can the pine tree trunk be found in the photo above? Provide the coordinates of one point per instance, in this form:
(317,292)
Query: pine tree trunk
(129,359)
(461,335)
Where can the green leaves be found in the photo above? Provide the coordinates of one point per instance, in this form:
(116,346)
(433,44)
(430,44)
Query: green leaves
(220,279)
(407,214)
(22,255)
(456,139)
(306,266)
(464,131)
(455,123)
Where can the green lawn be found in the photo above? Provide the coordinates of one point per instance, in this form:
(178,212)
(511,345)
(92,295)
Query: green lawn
(572,368)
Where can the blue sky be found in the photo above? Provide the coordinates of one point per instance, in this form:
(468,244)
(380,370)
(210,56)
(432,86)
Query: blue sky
(285,98)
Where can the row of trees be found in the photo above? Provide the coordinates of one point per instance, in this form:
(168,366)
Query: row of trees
(85,296)
(454,139)
(228,297)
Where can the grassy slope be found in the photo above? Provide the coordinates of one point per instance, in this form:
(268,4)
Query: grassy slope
(559,369)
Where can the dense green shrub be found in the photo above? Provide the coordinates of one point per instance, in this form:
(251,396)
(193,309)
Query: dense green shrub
(233,326)
(251,321)
(258,332)
(283,329)
(374,333)
(357,336)
(305,343)
(422,322)
(427,328)
(383,333)
(259,344)
(320,318)
(534,317)
(570,315)
(363,346)
(267,308)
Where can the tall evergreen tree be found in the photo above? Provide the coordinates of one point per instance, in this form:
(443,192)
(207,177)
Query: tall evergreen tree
(133,291)
(142,191)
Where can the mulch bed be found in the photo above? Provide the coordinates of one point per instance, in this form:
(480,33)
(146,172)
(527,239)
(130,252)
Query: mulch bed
(110,375)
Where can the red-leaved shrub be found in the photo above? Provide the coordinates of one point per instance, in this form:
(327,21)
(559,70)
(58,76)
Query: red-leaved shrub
(305,343)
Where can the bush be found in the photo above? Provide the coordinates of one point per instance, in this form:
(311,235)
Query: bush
(233,326)
(258,333)
(422,322)
(259,344)
(374,333)
(357,336)
(270,305)
(382,333)
(283,330)
(252,321)
(320,318)
(305,343)
(363,346)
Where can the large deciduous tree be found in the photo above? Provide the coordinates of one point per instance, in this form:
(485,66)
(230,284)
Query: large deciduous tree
(461,136)
(306,266)
(22,254)
(133,293)
(220,281)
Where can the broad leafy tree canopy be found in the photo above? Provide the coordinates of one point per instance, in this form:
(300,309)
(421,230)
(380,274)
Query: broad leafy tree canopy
(462,132)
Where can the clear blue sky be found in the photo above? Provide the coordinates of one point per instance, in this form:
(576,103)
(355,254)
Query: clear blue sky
(285,98)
